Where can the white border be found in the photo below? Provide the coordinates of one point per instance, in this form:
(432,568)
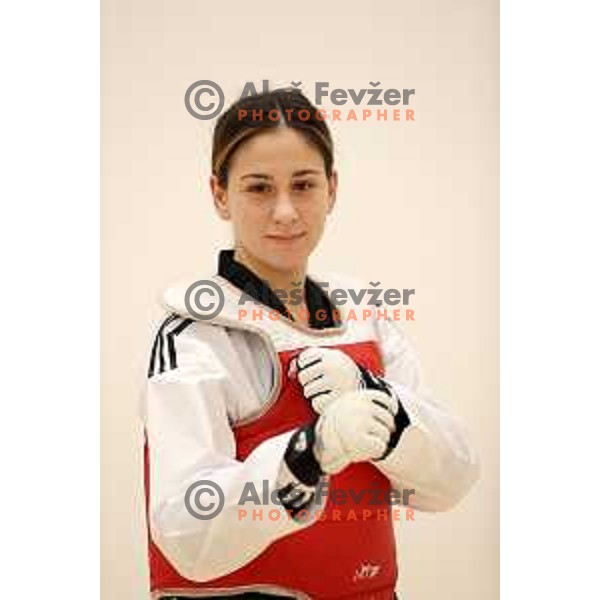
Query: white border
(549,270)
(49,439)
(549,316)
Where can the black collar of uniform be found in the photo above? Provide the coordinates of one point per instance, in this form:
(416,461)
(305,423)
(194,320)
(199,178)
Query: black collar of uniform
(244,279)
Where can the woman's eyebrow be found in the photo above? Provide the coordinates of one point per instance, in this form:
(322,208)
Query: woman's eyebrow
(256,175)
(307,172)
(295,174)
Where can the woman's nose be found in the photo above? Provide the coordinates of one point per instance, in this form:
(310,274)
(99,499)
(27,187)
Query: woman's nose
(284,210)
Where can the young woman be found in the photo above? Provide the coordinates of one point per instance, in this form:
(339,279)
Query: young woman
(278,390)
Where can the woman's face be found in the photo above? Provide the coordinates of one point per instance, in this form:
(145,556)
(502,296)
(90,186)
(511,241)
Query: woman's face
(277,198)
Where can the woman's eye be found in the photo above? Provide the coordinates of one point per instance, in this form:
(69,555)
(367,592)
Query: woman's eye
(258,188)
(303,186)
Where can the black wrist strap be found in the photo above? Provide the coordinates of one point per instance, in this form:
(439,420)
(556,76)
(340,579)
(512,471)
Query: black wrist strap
(372,382)
(402,422)
(401,419)
(300,457)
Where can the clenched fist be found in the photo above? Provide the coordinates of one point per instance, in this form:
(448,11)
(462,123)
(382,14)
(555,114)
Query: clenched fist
(325,374)
(355,429)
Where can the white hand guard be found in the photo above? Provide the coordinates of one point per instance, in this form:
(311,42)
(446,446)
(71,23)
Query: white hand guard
(355,429)
(325,374)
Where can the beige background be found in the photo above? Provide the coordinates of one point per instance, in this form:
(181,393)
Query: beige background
(418,208)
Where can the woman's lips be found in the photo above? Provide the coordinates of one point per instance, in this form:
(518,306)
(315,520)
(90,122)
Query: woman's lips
(286,238)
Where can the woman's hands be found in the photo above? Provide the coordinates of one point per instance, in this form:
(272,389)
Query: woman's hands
(325,374)
(355,428)
(355,424)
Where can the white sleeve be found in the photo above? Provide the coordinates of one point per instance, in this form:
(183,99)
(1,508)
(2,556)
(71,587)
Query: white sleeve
(190,439)
(433,456)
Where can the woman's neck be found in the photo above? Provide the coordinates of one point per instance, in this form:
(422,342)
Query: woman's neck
(276,280)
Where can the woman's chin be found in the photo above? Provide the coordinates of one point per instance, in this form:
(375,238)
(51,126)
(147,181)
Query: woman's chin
(288,256)
(285,262)
(283,257)
(288,266)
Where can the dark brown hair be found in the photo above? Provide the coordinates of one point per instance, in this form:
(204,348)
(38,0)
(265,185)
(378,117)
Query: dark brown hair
(288,107)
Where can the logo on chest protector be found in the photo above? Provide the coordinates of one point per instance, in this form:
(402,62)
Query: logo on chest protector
(366,571)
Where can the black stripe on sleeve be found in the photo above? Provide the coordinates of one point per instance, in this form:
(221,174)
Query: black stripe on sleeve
(171,342)
(157,347)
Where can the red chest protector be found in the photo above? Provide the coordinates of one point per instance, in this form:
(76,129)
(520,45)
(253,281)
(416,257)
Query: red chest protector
(338,556)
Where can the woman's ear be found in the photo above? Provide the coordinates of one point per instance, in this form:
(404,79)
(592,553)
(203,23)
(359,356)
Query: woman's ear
(333,186)
(220,199)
